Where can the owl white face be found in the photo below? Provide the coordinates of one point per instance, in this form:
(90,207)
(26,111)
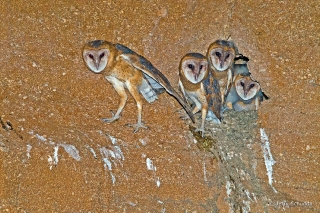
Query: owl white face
(221,59)
(96,60)
(194,69)
(246,87)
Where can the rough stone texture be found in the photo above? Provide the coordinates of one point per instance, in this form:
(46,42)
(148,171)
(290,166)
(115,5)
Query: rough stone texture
(57,156)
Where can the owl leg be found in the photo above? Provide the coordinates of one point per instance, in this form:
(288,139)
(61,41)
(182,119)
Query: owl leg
(204,109)
(203,118)
(137,97)
(229,105)
(229,81)
(123,99)
(195,101)
(257,103)
(222,97)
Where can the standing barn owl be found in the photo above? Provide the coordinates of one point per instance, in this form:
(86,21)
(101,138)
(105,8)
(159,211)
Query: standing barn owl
(125,69)
(221,54)
(197,85)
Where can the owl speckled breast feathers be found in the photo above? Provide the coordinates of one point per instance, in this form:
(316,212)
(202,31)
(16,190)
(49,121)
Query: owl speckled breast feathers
(125,69)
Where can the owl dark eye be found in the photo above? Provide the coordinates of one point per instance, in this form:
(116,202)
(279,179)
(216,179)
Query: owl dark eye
(227,56)
(242,84)
(251,85)
(191,66)
(91,56)
(102,55)
(218,54)
(201,66)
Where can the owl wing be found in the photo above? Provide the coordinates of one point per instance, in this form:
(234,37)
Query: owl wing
(181,87)
(240,69)
(262,96)
(213,95)
(154,76)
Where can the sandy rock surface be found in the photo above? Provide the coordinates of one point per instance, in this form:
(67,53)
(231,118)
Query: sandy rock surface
(58,156)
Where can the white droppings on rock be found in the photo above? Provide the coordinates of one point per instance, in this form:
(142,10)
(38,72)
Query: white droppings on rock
(29,147)
(55,155)
(143,142)
(72,151)
(93,152)
(112,157)
(268,159)
(40,137)
(205,172)
(50,161)
(113,139)
(158,182)
(149,163)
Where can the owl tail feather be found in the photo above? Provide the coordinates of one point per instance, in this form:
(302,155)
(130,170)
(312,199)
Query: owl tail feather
(183,104)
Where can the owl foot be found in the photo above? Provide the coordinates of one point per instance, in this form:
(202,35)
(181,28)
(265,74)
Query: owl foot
(109,120)
(184,117)
(200,130)
(183,114)
(137,126)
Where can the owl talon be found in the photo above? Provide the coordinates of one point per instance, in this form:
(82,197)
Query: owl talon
(110,120)
(180,111)
(184,117)
(200,130)
(137,126)
(112,113)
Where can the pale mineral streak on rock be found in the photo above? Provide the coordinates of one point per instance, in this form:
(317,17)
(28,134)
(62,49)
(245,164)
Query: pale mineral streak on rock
(268,159)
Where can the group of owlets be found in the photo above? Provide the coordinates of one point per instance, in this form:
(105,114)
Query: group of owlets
(211,83)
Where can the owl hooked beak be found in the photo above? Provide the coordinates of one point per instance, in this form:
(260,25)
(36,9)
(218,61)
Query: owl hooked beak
(196,75)
(97,63)
(221,64)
